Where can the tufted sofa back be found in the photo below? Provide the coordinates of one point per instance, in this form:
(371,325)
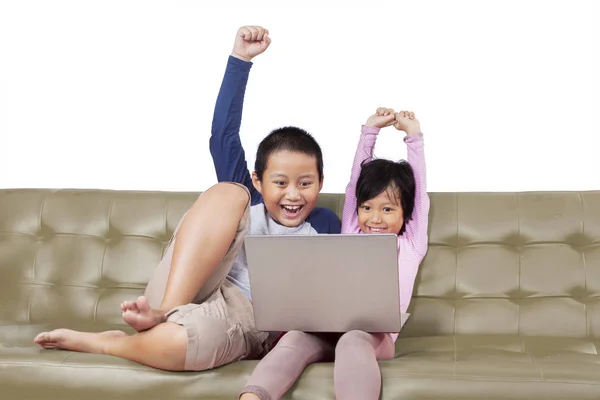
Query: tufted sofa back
(498,263)
(510,263)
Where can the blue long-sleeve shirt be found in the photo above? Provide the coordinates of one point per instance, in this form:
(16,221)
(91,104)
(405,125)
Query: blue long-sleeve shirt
(230,164)
(226,147)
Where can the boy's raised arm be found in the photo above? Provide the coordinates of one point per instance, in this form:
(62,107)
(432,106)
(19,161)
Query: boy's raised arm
(225,145)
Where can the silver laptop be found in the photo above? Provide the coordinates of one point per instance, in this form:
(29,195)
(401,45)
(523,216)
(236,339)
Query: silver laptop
(325,283)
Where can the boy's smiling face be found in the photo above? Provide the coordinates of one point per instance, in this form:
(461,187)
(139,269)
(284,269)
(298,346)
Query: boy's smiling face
(289,186)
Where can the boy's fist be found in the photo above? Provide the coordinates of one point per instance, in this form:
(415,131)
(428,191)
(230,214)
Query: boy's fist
(250,41)
(406,121)
(383,117)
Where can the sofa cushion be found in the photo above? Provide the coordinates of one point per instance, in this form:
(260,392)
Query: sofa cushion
(498,263)
(443,367)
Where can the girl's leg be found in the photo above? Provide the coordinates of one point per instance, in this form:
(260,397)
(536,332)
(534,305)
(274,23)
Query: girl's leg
(279,369)
(356,372)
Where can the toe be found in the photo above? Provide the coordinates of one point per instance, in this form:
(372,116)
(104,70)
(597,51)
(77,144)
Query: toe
(44,340)
(130,316)
(129,305)
(142,304)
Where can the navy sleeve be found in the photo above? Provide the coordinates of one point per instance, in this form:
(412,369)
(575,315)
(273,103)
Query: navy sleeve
(324,221)
(225,144)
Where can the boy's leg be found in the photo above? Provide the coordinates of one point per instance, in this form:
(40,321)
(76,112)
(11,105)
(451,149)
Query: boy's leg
(356,372)
(279,369)
(220,330)
(165,346)
(196,337)
(198,257)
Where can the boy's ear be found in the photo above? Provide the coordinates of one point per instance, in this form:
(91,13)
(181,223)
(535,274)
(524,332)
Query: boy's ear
(256,182)
(321,183)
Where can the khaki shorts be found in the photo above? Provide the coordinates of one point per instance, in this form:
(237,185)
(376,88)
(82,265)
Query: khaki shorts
(220,321)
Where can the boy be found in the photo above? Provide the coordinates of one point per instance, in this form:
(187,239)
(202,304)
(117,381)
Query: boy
(196,313)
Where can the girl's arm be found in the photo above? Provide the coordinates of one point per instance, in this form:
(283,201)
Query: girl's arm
(416,228)
(383,117)
(364,151)
(415,234)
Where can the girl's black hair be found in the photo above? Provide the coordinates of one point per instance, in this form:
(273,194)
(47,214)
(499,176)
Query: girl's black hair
(379,175)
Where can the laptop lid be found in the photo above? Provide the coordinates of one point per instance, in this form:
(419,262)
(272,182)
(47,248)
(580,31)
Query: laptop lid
(324,283)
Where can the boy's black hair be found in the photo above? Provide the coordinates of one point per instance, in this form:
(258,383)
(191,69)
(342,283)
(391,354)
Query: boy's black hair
(288,138)
(379,175)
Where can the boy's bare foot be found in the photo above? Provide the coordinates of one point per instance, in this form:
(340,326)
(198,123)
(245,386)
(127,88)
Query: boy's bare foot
(67,339)
(140,316)
(249,396)
(129,305)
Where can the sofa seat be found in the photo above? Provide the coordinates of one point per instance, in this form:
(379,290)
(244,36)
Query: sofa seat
(441,367)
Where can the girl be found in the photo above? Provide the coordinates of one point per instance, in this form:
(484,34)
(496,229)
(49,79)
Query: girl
(382,197)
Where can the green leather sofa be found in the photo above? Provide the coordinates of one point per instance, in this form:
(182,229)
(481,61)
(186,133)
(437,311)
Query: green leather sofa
(506,305)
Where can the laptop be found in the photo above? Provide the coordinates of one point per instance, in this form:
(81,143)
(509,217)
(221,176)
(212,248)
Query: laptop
(325,283)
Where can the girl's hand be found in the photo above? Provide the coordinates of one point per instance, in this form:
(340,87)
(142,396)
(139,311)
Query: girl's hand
(383,117)
(406,121)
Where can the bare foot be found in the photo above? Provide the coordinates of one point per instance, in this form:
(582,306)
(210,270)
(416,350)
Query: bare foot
(129,305)
(249,396)
(140,316)
(85,342)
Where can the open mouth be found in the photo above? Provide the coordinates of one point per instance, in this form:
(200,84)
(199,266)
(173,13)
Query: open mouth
(291,211)
(376,230)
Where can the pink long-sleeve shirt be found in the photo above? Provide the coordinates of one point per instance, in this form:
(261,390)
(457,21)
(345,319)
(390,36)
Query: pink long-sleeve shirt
(412,244)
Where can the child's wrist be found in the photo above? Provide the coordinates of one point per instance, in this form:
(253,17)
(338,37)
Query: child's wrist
(247,59)
(370,129)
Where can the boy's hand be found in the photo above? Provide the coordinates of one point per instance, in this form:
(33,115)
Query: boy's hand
(383,117)
(250,41)
(406,121)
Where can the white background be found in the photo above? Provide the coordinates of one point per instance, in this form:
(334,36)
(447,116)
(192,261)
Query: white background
(120,94)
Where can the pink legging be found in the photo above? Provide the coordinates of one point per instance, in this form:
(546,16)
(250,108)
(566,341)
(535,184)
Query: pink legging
(356,372)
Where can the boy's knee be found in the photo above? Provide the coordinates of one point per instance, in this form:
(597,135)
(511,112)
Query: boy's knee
(229,194)
(229,189)
(222,196)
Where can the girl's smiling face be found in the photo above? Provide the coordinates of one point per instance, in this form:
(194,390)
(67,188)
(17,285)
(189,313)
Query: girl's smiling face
(381,214)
